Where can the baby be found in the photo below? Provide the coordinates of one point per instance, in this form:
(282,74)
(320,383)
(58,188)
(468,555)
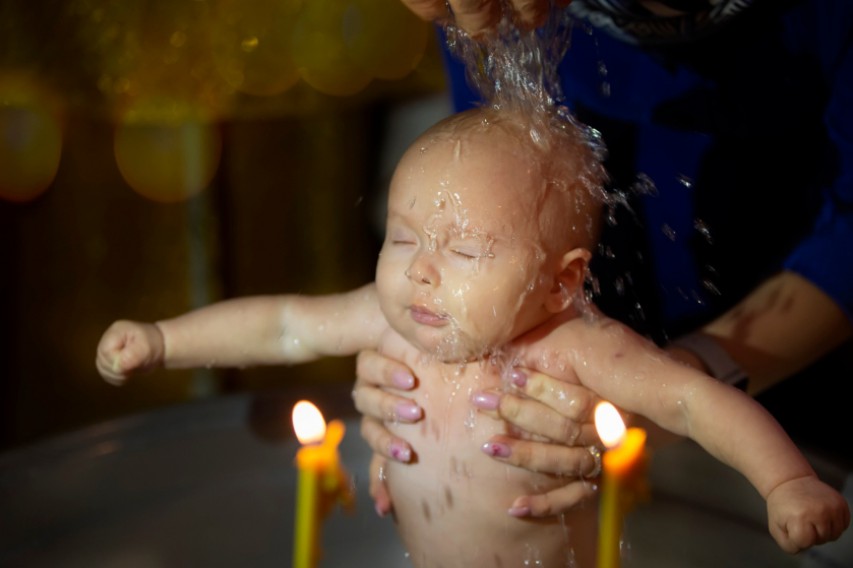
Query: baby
(491,217)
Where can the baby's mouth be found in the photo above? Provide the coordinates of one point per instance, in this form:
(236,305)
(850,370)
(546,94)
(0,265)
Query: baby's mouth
(427,317)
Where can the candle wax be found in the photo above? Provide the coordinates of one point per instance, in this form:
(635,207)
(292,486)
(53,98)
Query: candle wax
(321,482)
(622,484)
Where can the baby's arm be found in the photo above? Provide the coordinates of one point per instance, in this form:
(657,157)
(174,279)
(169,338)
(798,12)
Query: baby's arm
(261,330)
(637,376)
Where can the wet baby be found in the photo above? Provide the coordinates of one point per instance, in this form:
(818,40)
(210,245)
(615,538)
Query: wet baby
(491,217)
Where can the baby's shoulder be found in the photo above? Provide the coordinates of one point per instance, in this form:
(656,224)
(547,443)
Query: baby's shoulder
(587,332)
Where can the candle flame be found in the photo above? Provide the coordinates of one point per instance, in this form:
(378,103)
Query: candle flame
(308,423)
(609,424)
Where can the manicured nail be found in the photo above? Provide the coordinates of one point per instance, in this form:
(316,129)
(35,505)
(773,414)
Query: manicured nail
(408,411)
(496,449)
(519,511)
(519,378)
(402,380)
(486,400)
(379,510)
(400,452)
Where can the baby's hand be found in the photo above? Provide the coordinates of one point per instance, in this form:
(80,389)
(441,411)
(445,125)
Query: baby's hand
(805,512)
(129,348)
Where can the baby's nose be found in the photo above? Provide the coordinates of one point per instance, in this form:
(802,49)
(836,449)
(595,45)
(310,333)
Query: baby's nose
(422,271)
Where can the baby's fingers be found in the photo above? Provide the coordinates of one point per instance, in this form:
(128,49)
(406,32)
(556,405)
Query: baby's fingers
(554,502)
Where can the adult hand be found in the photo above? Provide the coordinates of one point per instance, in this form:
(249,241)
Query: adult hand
(479,16)
(377,379)
(557,437)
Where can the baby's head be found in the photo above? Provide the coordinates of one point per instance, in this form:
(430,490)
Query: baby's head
(491,216)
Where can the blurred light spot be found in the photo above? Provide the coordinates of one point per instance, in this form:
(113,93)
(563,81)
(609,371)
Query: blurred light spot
(252,45)
(320,52)
(30,140)
(165,152)
(249,44)
(178,39)
(384,38)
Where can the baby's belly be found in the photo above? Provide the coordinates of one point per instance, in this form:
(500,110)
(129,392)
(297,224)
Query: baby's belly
(451,504)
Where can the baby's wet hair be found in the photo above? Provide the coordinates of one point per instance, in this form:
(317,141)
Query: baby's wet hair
(564,155)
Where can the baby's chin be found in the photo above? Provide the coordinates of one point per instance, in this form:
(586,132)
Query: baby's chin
(457,348)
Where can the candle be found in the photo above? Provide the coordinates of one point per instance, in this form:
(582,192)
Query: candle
(623,482)
(321,480)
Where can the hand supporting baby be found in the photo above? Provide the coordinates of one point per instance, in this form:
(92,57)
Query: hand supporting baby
(556,417)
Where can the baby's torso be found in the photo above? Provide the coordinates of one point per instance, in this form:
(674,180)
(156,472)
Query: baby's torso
(451,503)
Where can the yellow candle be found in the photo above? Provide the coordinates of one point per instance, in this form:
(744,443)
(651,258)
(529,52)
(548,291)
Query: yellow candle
(623,477)
(321,480)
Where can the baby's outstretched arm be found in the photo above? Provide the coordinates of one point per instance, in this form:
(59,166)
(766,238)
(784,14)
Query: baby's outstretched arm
(260,330)
(802,510)
(635,375)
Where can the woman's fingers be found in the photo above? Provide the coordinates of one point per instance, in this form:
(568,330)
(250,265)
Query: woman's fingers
(378,490)
(545,457)
(571,400)
(429,10)
(373,368)
(479,16)
(374,374)
(383,442)
(555,501)
(537,419)
(531,13)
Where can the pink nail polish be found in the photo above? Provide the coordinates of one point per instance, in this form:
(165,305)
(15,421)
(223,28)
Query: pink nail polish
(496,449)
(519,378)
(379,510)
(408,411)
(402,380)
(400,452)
(485,400)
(519,511)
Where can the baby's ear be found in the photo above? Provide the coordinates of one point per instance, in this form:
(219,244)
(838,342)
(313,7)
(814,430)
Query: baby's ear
(569,280)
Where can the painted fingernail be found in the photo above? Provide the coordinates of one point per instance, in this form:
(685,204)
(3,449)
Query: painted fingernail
(380,510)
(519,378)
(400,452)
(519,511)
(402,380)
(496,449)
(408,411)
(485,400)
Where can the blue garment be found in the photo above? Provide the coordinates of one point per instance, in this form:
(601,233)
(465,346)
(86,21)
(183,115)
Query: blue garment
(747,136)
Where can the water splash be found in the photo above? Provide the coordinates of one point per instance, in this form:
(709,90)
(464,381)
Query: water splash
(517,69)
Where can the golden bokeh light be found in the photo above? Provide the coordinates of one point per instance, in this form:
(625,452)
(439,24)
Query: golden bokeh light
(384,38)
(165,152)
(320,51)
(30,140)
(252,44)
